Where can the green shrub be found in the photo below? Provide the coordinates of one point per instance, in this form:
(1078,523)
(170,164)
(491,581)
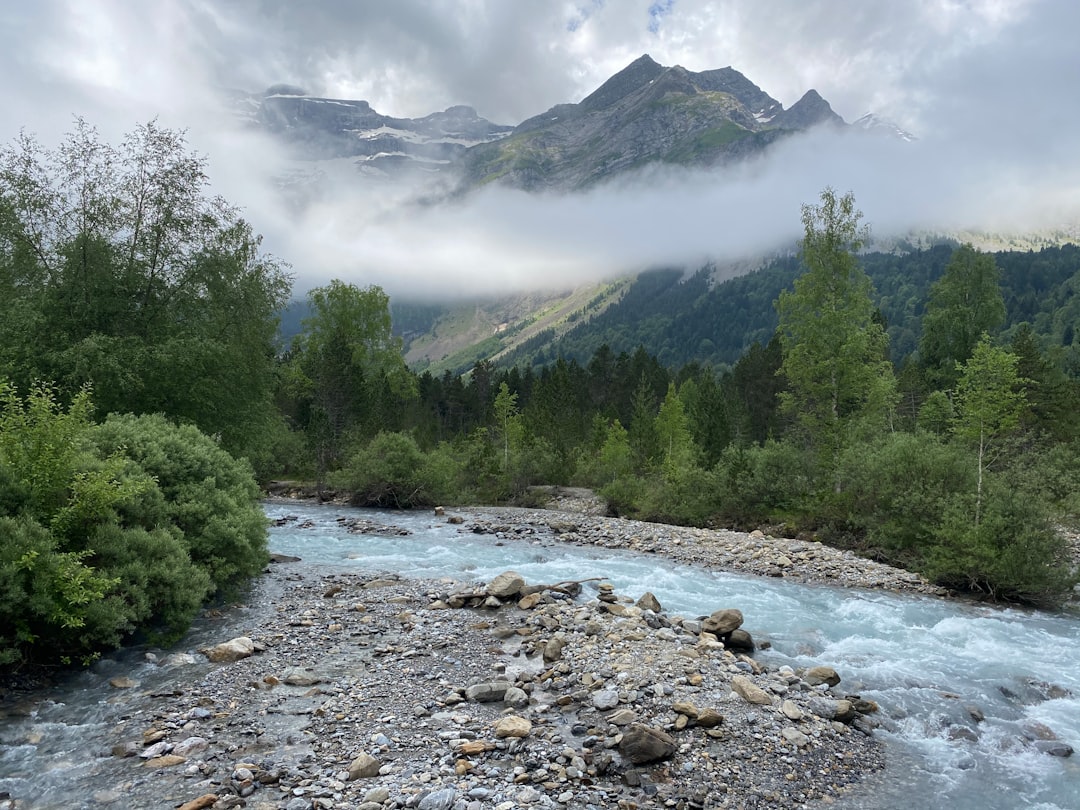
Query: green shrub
(114,529)
(1012,553)
(392,471)
(898,487)
(757,483)
(204,492)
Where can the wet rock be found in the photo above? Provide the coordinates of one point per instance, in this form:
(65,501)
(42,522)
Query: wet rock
(1055,748)
(642,744)
(122,682)
(739,639)
(815,676)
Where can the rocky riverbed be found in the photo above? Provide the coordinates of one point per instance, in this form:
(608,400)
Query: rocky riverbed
(392,693)
(384,693)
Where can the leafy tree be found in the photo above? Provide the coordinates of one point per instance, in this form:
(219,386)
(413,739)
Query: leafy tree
(392,471)
(963,304)
(347,365)
(989,401)
(834,348)
(508,420)
(120,270)
(673,433)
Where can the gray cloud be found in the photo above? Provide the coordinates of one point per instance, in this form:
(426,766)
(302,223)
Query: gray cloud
(987,84)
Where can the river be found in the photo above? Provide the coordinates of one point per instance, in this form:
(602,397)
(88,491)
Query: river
(933,665)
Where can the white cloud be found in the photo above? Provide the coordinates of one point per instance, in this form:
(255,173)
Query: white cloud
(987,84)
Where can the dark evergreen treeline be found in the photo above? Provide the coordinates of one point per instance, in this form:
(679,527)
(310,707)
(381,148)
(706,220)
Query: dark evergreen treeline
(685,320)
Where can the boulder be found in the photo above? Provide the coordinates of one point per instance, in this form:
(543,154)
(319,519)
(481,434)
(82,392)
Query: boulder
(605,699)
(709,718)
(722,622)
(739,640)
(512,726)
(231,650)
(506,585)
(438,800)
(649,602)
(488,692)
(815,676)
(829,709)
(641,744)
(191,746)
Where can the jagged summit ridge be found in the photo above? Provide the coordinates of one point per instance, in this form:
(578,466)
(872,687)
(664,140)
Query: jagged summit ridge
(646,113)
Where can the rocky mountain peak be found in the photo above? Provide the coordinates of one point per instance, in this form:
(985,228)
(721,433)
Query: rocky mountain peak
(632,77)
(810,111)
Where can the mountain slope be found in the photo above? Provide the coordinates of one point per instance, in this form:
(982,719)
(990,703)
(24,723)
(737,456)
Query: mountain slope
(645,113)
(325,129)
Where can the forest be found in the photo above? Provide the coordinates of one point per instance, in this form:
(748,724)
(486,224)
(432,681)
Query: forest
(928,419)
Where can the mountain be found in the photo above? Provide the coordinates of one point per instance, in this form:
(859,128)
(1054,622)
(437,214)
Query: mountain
(317,129)
(645,113)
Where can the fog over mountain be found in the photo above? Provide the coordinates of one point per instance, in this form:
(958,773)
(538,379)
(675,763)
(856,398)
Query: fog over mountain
(987,86)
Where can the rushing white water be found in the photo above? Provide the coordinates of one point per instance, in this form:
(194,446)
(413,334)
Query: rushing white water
(929,663)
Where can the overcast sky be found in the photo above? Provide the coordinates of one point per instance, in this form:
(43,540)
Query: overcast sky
(989,86)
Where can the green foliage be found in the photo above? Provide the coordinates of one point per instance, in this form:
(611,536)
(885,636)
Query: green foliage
(834,348)
(45,592)
(347,375)
(392,471)
(113,529)
(756,482)
(118,270)
(989,402)
(211,497)
(963,304)
(899,486)
(1012,553)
